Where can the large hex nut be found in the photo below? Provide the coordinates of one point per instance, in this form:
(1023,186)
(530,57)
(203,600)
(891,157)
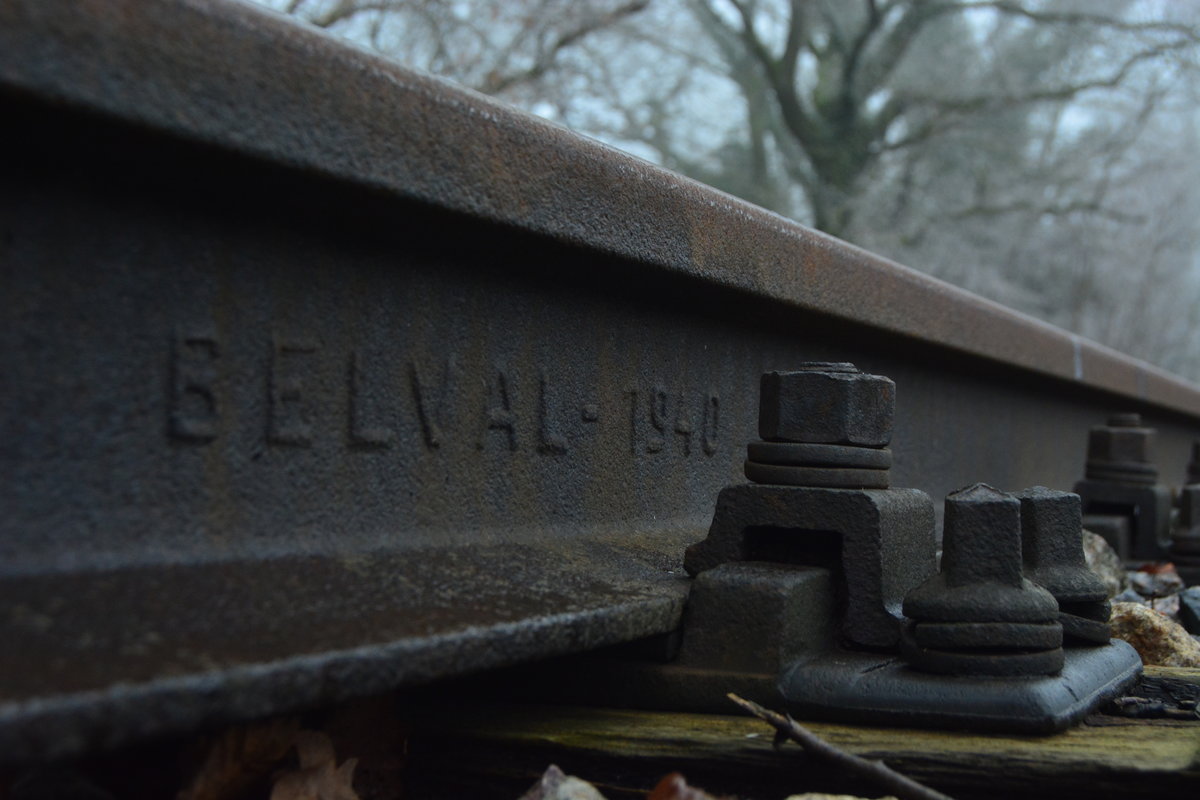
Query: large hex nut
(1146,507)
(1122,440)
(827,404)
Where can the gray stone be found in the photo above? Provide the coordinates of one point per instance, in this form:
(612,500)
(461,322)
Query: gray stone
(1167,606)
(1130,596)
(1155,580)
(1189,609)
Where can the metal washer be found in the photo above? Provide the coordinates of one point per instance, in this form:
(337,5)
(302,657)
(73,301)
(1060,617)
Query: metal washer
(965,635)
(817,477)
(803,454)
(1017,663)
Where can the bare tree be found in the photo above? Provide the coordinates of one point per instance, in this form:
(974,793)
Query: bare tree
(493,47)
(840,77)
(1036,151)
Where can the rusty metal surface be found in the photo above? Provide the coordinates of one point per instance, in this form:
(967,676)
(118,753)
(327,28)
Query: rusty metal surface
(246,79)
(982,580)
(322,377)
(881,539)
(1052,549)
(95,659)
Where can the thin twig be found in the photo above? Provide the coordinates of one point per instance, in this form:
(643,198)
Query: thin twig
(876,771)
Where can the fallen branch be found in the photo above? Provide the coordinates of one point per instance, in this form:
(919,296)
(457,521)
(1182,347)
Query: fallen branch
(876,771)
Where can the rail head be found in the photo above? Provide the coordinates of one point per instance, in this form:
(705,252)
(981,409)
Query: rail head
(246,79)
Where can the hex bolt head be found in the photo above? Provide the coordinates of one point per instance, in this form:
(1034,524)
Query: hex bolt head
(981,591)
(827,403)
(1122,451)
(981,578)
(1052,545)
(982,540)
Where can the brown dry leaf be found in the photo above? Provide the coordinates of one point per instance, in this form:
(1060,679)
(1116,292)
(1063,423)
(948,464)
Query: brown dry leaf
(675,787)
(319,777)
(239,757)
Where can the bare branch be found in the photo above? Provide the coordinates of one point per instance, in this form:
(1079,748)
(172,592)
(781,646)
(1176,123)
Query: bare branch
(940,123)
(869,29)
(896,42)
(750,37)
(836,35)
(1079,18)
(345,9)
(495,84)
(795,41)
(781,86)
(903,787)
(1057,93)
(1065,209)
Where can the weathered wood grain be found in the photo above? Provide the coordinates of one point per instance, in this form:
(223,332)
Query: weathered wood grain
(625,752)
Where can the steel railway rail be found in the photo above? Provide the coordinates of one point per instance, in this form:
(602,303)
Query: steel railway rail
(323,377)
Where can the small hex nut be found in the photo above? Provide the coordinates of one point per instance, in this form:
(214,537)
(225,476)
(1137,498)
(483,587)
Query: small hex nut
(1121,444)
(1189,506)
(827,404)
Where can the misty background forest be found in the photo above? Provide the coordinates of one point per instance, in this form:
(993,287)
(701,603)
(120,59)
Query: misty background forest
(1040,153)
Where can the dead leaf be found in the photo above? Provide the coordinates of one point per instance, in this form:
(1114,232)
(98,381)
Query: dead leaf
(557,785)
(239,757)
(319,777)
(675,787)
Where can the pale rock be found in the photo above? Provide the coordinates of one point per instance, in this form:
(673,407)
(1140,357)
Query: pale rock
(557,785)
(1104,561)
(1158,640)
